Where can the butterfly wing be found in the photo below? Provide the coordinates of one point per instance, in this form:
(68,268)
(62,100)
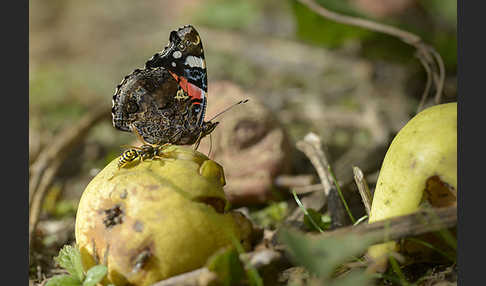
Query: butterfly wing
(146,100)
(183,57)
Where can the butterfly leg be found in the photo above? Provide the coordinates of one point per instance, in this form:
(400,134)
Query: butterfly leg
(159,153)
(198,141)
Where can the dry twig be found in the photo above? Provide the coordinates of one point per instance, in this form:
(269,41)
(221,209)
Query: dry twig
(311,146)
(308,189)
(289,181)
(423,221)
(45,168)
(429,58)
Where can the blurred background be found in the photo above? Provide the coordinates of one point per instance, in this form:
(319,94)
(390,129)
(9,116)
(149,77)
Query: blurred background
(352,87)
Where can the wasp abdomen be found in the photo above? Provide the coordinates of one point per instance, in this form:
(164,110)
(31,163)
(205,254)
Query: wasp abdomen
(128,156)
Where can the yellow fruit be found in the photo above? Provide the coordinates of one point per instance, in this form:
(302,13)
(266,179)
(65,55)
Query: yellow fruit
(422,155)
(156,218)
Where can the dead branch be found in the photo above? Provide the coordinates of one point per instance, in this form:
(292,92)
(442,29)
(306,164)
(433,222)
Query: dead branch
(45,168)
(311,147)
(308,189)
(423,221)
(290,181)
(426,54)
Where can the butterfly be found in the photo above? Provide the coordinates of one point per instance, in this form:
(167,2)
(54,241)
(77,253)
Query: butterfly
(165,102)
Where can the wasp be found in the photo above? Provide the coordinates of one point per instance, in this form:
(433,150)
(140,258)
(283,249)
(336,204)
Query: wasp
(142,153)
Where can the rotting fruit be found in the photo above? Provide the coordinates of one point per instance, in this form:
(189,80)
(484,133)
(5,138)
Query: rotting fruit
(156,218)
(420,165)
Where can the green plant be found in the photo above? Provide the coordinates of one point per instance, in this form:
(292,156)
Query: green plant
(69,258)
(321,256)
(312,218)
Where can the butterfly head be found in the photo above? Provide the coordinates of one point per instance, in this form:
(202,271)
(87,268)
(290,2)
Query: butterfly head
(208,127)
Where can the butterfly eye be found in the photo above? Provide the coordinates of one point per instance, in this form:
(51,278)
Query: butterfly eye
(131,107)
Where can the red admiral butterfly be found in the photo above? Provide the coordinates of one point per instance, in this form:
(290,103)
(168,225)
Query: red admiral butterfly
(166,101)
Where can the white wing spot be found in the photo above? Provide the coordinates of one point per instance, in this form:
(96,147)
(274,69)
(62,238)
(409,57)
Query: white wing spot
(193,61)
(176,54)
(173,64)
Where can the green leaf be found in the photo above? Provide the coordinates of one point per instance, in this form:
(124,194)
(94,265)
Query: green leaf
(63,280)
(95,274)
(236,14)
(69,258)
(315,29)
(272,215)
(254,278)
(321,255)
(322,221)
(226,264)
(306,213)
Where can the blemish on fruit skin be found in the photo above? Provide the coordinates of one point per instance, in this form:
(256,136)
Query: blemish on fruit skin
(113,216)
(141,259)
(95,252)
(387,202)
(152,187)
(123,195)
(438,193)
(138,226)
(414,163)
(105,256)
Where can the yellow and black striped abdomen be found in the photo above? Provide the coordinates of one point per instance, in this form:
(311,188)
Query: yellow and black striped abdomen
(126,157)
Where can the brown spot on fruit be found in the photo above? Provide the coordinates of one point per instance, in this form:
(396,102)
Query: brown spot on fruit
(95,252)
(152,187)
(141,259)
(113,216)
(414,163)
(138,226)
(438,193)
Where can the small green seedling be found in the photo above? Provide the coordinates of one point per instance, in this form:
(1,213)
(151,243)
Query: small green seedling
(69,258)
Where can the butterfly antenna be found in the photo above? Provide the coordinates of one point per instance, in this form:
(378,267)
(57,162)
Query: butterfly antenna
(228,108)
(198,141)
